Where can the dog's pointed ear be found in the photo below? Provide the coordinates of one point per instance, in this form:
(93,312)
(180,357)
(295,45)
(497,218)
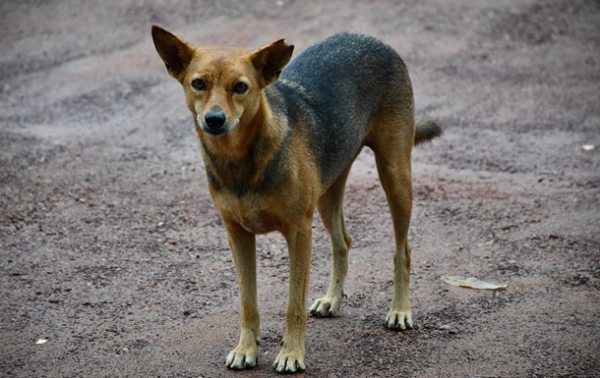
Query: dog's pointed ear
(174,52)
(270,60)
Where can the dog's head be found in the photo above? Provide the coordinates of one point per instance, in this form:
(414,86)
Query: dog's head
(222,85)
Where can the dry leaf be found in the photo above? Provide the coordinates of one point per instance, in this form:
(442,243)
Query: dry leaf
(472,283)
(489,242)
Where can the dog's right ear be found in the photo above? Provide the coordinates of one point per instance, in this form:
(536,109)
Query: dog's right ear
(175,53)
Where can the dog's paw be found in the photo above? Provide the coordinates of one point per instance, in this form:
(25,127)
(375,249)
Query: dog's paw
(239,359)
(399,320)
(289,361)
(326,306)
(245,355)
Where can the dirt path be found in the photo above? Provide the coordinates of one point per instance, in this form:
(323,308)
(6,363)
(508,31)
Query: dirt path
(110,248)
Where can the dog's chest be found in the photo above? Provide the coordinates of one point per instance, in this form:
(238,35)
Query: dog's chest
(250,215)
(253,225)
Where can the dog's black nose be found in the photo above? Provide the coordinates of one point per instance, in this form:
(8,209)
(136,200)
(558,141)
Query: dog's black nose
(214,120)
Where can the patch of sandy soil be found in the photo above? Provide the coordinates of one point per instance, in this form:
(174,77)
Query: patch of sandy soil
(111,250)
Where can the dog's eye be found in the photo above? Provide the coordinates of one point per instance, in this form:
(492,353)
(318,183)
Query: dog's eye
(198,84)
(240,88)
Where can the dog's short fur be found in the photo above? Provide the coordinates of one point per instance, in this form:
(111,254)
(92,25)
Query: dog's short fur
(279,143)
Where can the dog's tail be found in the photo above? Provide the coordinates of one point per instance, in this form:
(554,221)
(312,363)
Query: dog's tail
(426,131)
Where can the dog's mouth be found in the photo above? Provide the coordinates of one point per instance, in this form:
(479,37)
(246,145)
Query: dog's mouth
(215,131)
(217,126)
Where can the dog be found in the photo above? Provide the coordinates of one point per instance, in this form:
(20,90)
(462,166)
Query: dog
(278,143)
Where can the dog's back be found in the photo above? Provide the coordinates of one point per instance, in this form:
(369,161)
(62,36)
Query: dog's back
(335,88)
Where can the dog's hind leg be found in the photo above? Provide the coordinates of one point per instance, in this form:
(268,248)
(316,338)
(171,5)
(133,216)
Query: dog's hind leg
(396,182)
(330,207)
(392,140)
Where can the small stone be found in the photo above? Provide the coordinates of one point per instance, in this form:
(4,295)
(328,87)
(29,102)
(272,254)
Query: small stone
(444,327)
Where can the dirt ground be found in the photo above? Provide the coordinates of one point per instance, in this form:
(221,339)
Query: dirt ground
(111,250)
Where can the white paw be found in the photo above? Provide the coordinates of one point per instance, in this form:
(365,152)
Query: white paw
(239,359)
(400,320)
(289,361)
(326,306)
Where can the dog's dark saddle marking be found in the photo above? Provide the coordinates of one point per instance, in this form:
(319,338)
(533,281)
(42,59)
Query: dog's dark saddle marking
(333,89)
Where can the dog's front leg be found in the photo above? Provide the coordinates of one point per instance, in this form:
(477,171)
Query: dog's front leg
(243,248)
(291,356)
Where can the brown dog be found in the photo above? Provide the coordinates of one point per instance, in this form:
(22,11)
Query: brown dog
(275,150)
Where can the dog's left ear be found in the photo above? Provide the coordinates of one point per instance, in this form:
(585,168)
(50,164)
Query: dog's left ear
(175,53)
(270,60)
